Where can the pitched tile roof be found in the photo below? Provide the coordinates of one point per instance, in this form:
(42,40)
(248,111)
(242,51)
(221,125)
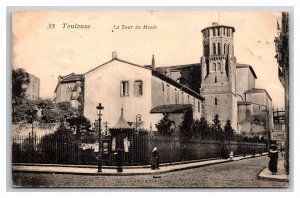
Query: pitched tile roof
(171,108)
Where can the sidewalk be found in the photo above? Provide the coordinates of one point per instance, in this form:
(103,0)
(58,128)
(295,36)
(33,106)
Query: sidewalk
(127,170)
(281,174)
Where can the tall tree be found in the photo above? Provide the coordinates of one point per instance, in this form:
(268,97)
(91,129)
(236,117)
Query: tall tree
(80,124)
(164,126)
(186,125)
(216,128)
(25,112)
(19,80)
(229,132)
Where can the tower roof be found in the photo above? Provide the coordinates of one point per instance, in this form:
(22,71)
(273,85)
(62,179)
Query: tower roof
(217,25)
(122,123)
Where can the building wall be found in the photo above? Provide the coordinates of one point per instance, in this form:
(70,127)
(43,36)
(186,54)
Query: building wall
(64,92)
(102,85)
(263,99)
(33,88)
(164,93)
(244,81)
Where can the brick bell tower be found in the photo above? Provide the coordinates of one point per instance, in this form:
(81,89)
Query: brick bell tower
(218,74)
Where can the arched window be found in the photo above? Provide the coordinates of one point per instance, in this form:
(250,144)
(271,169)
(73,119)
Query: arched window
(214,67)
(206,50)
(219,66)
(214,49)
(216,79)
(228,49)
(214,32)
(219,48)
(216,101)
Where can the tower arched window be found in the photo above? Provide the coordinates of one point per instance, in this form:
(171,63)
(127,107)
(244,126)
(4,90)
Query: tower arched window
(214,49)
(219,66)
(228,48)
(219,48)
(214,67)
(206,50)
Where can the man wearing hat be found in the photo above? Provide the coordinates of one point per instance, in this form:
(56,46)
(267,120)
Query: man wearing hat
(273,155)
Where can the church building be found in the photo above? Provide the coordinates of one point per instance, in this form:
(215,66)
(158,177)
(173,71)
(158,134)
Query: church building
(215,85)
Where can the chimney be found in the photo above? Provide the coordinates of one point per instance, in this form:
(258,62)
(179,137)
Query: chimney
(114,55)
(153,62)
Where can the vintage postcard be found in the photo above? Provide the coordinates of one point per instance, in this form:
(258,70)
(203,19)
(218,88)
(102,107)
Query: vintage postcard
(150,99)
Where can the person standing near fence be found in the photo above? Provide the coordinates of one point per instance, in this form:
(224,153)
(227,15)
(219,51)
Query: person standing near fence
(155,159)
(273,155)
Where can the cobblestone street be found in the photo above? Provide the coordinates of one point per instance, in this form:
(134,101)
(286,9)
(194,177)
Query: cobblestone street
(239,174)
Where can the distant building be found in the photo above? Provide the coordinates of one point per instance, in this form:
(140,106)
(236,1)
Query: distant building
(32,88)
(245,79)
(255,113)
(68,89)
(187,75)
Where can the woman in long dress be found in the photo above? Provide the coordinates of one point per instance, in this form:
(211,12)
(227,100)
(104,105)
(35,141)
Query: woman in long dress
(273,155)
(155,159)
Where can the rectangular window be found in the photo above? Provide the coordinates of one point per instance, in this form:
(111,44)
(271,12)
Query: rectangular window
(162,87)
(199,107)
(188,99)
(124,88)
(182,98)
(138,88)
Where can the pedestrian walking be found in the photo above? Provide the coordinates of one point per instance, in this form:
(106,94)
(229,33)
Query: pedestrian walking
(155,159)
(273,155)
(118,157)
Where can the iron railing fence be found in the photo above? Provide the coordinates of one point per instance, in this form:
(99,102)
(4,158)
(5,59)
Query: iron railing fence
(135,149)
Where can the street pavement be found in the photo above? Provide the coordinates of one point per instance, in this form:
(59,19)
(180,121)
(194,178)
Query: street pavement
(265,174)
(279,176)
(127,170)
(242,172)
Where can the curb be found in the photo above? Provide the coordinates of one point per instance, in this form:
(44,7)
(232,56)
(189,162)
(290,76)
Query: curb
(259,176)
(127,174)
(120,174)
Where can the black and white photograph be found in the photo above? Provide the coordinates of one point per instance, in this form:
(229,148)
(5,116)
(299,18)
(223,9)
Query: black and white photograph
(150,99)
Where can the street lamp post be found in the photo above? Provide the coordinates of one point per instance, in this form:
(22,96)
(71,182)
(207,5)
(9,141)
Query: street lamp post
(99,113)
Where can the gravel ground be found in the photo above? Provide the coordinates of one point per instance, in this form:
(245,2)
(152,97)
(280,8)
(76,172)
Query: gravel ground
(237,174)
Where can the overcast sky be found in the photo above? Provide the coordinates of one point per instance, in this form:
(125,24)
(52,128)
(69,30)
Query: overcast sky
(47,53)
